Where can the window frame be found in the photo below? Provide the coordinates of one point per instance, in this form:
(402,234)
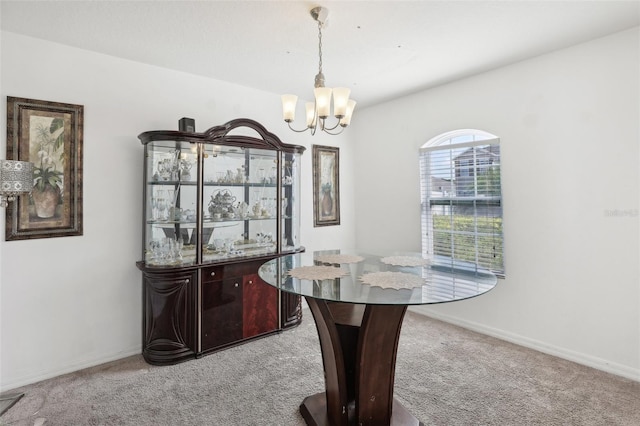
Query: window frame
(450,142)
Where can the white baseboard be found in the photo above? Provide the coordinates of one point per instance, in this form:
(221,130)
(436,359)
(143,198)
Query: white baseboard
(577,357)
(44,375)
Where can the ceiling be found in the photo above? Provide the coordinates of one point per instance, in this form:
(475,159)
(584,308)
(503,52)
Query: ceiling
(379,49)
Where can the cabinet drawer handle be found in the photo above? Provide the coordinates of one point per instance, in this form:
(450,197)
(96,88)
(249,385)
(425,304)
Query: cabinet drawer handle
(250,281)
(213,274)
(235,285)
(186,281)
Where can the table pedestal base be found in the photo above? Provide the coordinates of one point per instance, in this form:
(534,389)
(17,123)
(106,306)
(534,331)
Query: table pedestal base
(314,412)
(359,345)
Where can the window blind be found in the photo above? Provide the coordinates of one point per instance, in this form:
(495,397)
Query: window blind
(462,203)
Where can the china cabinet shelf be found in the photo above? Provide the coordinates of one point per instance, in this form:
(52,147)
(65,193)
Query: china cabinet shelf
(221,184)
(211,221)
(217,205)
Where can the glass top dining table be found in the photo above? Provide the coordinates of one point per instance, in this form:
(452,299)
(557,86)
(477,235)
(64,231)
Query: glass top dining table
(358,301)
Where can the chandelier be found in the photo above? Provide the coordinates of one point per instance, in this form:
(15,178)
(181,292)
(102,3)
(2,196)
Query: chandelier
(319,110)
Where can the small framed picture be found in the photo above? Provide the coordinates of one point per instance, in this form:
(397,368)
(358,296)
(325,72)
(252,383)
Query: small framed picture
(326,185)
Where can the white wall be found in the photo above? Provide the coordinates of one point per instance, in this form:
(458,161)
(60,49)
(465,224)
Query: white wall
(569,128)
(71,302)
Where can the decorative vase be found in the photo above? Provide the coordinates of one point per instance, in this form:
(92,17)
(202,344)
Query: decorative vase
(326,204)
(45,201)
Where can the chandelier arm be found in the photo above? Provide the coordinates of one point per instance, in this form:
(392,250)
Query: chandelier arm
(330,128)
(313,129)
(333,134)
(295,130)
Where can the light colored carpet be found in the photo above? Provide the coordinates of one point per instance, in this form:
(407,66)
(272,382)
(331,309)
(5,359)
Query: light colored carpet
(445,375)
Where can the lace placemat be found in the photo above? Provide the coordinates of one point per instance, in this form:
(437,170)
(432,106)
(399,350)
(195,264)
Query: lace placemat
(404,261)
(338,258)
(317,272)
(395,280)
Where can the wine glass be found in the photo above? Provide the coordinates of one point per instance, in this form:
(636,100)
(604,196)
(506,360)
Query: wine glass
(170,196)
(163,170)
(162,205)
(154,208)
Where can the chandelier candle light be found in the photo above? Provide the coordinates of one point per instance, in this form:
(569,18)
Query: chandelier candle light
(319,111)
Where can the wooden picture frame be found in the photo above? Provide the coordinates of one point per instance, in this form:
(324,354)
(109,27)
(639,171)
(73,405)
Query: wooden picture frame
(48,134)
(326,185)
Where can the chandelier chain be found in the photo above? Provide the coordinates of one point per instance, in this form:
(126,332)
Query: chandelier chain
(320,46)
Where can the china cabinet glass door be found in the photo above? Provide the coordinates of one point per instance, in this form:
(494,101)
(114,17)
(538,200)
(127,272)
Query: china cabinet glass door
(290,203)
(240,200)
(171,194)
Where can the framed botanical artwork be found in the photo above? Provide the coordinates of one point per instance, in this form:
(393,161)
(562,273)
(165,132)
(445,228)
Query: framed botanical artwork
(326,185)
(49,135)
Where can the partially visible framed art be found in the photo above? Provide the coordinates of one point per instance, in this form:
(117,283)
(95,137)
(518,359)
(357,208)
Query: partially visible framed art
(49,135)
(326,185)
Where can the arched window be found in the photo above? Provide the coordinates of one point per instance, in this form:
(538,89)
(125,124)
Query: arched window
(462,200)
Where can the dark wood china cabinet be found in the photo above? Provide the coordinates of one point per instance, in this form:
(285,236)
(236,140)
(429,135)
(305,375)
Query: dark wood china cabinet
(217,205)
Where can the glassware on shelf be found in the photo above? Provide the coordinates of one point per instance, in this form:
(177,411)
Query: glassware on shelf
(162,206)
(154,207)
(241,210)
(221,204)
(168,168)
(269,207)
(163,173)
(240,176)
(185,169)
(257,208)
(165,251)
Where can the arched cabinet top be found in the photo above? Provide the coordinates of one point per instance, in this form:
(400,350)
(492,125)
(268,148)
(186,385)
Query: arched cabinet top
(229,133)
